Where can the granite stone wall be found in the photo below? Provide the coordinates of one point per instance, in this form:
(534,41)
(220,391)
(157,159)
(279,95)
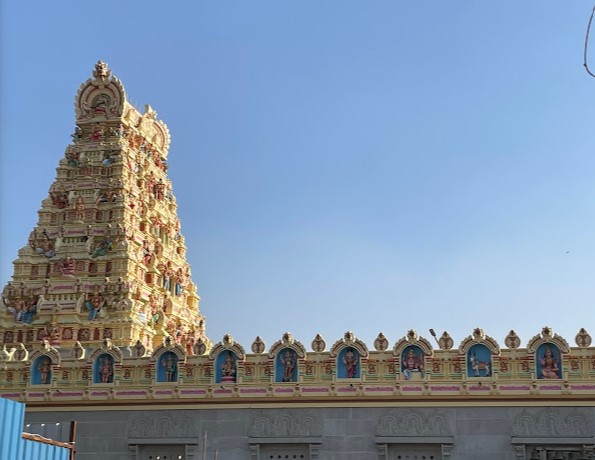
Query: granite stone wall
(330,433)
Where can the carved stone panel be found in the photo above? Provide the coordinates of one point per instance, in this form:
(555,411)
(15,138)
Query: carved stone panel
(163,427)
(285,425)
(552,422)
(413,423)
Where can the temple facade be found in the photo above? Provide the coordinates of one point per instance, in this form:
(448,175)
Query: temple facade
(101,324)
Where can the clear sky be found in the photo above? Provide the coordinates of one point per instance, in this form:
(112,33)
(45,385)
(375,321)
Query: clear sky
(338,165)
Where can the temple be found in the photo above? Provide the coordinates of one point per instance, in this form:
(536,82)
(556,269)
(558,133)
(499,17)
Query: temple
(101,325)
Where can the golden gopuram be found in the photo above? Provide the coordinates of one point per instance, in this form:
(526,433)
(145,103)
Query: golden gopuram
(101,323)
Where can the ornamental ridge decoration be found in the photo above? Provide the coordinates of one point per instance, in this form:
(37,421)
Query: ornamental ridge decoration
(552,422)
(287,341)
(479,337)
(285,425)
(349,340)
(413,423)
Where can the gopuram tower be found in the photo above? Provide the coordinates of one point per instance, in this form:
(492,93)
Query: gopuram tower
(106,259)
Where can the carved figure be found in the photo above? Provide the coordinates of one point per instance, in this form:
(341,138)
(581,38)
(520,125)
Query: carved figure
(180,282)
(478,365)
(549,365)
(108,159)
(170,366)
(79,208)
(147,253)
(26,310)
(77,134)
(66,267)
(107,371)
(45,370)
(94,305)
(100,104)
(350,362)
(102,248)
(159,190)
(97,133)
(412,363)
(228,369)
(168,274)
(288,362)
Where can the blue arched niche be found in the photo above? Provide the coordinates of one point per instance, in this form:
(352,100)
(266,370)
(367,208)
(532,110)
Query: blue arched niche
(226,366)
(348,365)
(167,367)
(412,362)
(548,361)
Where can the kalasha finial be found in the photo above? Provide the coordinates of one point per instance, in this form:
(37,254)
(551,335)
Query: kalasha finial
(101,71)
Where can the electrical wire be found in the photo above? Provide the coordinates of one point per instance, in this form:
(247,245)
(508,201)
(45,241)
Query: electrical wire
(587,43)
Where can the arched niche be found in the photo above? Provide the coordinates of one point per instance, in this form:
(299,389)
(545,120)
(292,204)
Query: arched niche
(348,353)
(226,357)
(41,370)
(226,367)
(478,350)
(103,361)
(167,358)
(286,354)
(411,352)
(167,366)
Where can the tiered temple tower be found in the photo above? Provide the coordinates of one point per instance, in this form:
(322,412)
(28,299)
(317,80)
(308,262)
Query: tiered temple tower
(106,259)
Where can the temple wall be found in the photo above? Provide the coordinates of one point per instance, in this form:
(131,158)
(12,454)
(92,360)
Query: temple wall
(332,433)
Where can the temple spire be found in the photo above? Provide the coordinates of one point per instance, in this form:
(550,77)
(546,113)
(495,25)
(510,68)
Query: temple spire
(107,259)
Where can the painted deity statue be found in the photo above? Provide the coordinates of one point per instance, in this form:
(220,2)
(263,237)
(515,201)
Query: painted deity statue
(66,267)
(102,248)
(106,371)
(228,369)
(288,362)
(170,366)
(412,363)
(549,365)
(147,253)
(350,362)
(93,305)
(45,369)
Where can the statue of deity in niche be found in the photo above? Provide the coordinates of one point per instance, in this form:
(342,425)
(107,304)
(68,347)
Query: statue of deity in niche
(170,366)
(412,362)
(45,370)
(228,369)
(288,362)
(350,361)
(93,305)
(549,364)
(106,370)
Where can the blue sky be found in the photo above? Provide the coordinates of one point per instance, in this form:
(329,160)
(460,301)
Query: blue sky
(338,165)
